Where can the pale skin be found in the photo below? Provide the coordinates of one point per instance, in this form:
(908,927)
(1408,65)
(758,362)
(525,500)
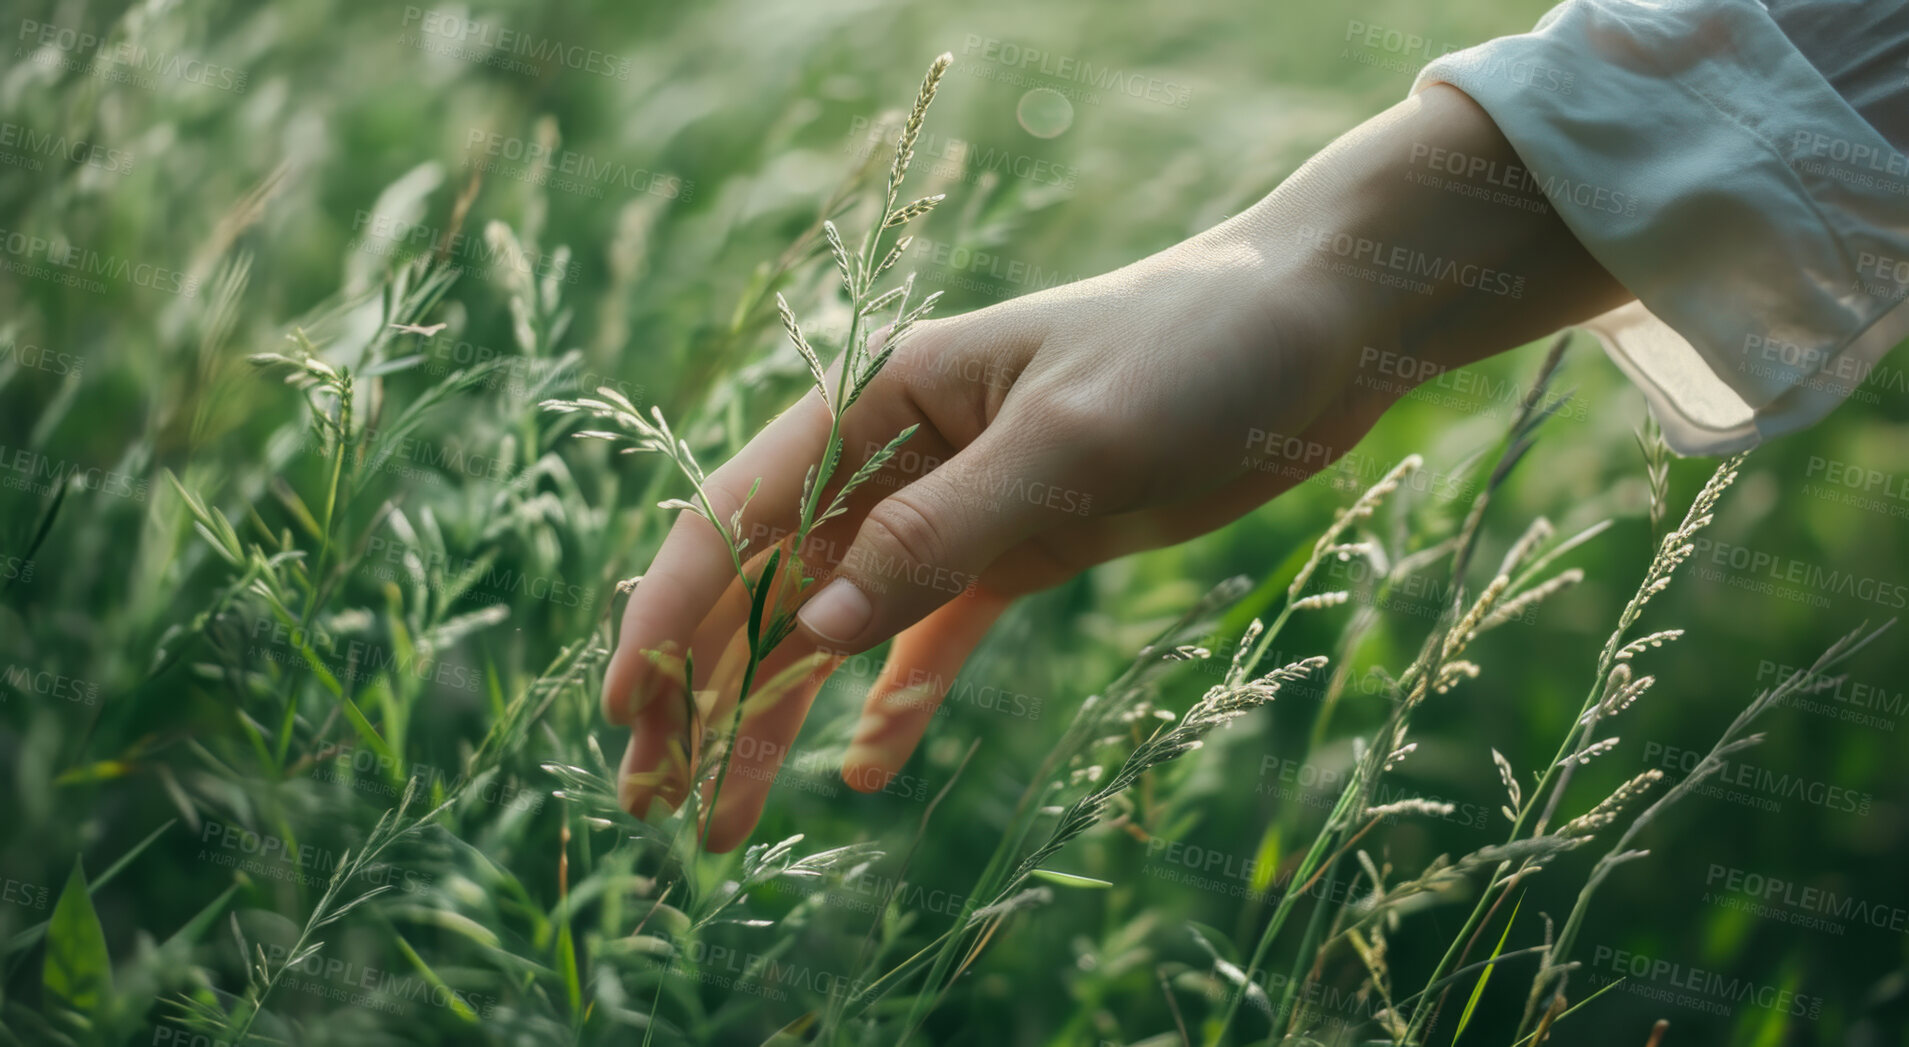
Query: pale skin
(1144,396)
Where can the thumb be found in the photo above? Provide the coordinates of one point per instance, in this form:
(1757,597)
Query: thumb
(927,544)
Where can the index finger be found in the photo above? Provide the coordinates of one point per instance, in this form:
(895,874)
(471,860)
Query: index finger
(693,568)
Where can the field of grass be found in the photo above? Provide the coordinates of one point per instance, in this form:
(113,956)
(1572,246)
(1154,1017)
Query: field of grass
(305,593)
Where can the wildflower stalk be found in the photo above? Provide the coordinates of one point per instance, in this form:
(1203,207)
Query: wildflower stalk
(1308,867)
(770,622)
(859,280)
(1674,549)
(1329,544)
(849,384)
(1438,654)
(1220,705)
(264,978)
(1094,714)
(1554,970)
(1327,848)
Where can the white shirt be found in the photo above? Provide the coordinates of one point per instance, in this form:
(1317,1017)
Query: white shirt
(1738,166)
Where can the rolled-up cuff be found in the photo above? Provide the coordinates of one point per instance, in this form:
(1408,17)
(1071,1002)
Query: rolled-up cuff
(1704,162)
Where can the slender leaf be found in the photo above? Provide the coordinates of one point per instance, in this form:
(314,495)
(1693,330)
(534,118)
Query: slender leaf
(78,973)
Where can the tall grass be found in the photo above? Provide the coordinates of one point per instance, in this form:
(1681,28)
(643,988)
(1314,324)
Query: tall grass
(375,711)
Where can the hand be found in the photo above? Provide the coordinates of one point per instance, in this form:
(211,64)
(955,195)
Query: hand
(1056,431)
(1126,412)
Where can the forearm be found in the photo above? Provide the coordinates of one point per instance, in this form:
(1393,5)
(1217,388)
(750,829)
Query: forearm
(1438,267)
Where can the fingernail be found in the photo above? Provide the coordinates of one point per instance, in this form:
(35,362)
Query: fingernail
(838,613)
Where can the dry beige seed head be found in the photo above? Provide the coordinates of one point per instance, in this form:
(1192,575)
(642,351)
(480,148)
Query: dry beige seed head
(1607,810)
(1517,606)
(1538,533)
(1433,808)
(909,212)
(1595,749)
(1615,683)
(1451,674)
(1622,699)
(1637,646)
(1322,600)
(842,262)
(1369,501)
(1509,779)
(1359,510)
(802,346)
(1467,627)
(905,146)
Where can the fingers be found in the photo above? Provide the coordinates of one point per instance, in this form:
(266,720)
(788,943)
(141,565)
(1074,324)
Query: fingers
(929,541)
(719,649)
(770,720)
(655,763)
(916,677)
(693,567)
(921,666)
(787,681)
(690,600)
(667,735)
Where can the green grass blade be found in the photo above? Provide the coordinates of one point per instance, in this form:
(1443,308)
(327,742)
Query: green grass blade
(28,937)
(1478,990)
(431,977)
(1070,880)
(1562,1015)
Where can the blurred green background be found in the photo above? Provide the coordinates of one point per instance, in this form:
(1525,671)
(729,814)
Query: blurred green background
(278,160)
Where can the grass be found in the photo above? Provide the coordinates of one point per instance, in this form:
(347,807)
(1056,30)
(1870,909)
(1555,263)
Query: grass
(339,583)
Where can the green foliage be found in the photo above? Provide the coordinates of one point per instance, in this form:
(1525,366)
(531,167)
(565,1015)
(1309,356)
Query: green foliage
(305,598)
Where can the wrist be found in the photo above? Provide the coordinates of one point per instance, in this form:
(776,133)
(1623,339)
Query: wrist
(1418,277)
(1327,330)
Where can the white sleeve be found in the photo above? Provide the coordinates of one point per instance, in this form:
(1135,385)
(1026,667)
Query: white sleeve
(1727,162)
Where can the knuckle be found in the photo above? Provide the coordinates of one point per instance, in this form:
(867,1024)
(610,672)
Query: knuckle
(923,335)
(919,360)
(1088,428)
(1074,416)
